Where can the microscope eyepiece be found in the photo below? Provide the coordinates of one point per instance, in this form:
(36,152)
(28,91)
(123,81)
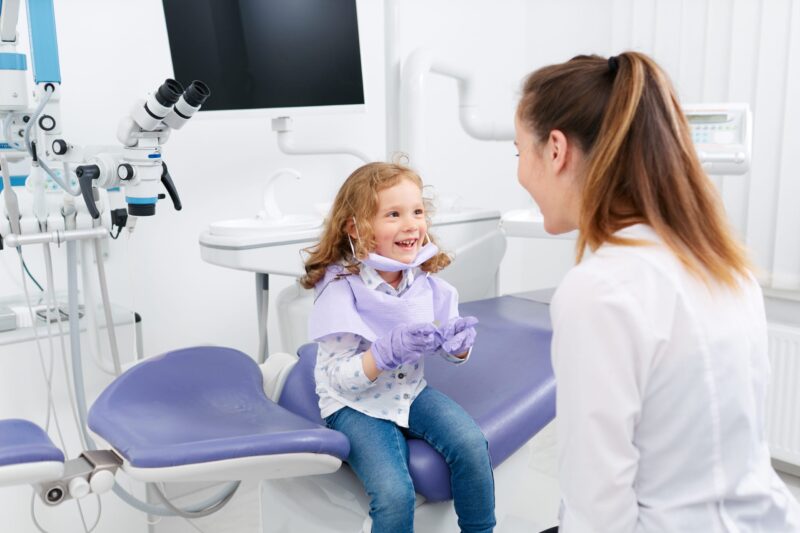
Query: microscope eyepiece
(188,104)
(196,94)
(169,92)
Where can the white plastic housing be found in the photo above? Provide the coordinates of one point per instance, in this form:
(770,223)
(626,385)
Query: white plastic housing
(13,90)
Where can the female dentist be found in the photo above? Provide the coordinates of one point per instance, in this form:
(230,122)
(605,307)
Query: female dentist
(660,340)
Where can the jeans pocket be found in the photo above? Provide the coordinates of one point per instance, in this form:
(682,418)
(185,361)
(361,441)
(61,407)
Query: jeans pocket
(330,420)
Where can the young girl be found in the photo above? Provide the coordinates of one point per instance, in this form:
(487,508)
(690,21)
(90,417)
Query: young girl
(378,312)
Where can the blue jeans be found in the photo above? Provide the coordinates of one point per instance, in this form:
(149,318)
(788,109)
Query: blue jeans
(379,457)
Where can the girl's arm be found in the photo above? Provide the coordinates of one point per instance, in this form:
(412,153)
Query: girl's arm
(341,358)
(371,370)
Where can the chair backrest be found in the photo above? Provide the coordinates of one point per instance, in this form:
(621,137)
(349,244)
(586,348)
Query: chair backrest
(299,392)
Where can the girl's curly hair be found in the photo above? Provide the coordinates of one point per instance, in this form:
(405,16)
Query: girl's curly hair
(358,198)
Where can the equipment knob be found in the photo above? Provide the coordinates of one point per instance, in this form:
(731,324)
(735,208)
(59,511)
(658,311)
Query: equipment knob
(47,122)
(126,172)
(101,481)
(78,487)
(60,147)
(54,495)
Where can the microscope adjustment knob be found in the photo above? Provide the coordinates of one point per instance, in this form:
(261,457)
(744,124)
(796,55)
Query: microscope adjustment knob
(60,147)
(47,123)
(101,481)
(126,172)
(78,487)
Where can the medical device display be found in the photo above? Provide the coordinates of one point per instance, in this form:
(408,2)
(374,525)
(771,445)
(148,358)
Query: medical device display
(268,53)
(723,135)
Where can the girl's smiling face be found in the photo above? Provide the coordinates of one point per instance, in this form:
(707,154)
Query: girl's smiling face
(399,225)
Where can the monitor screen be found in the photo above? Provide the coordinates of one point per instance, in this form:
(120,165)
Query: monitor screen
(257,54)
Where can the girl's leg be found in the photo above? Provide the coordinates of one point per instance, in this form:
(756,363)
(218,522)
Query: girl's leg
(379,457)
(454,434)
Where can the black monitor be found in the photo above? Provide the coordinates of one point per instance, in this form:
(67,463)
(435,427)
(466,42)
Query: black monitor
(275,54)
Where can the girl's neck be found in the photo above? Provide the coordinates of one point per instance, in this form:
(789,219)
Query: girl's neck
(392,278)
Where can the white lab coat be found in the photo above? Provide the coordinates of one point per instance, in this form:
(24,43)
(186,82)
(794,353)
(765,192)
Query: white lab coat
(661,388)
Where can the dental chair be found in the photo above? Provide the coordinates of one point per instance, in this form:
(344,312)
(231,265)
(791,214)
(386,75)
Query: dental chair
(27,455)
(210,414)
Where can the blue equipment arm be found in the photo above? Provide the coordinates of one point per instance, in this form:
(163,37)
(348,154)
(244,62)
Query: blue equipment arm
(44,44)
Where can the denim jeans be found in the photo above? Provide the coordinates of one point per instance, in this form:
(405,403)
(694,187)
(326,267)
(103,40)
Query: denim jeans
(379,457)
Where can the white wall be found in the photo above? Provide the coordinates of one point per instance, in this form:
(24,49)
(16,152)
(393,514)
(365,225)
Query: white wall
(115,51)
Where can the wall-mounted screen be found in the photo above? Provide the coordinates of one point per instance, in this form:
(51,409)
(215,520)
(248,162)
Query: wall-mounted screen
(256,54)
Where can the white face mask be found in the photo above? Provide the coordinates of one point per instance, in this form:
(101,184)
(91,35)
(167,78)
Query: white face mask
(386,264)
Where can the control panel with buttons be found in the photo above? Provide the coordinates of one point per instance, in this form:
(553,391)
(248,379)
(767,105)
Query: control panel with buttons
(722,134)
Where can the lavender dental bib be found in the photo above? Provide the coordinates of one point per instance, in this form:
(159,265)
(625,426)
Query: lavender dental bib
(345,305)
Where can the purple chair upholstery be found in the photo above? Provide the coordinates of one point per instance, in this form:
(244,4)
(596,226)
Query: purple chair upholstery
(23,442)
(202,404)
(507,386)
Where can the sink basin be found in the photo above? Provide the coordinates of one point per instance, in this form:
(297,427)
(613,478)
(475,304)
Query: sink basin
(529,223)
(259,226)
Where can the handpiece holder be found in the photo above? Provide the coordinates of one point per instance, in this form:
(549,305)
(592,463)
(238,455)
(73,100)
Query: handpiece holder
(86,174)
(166,180)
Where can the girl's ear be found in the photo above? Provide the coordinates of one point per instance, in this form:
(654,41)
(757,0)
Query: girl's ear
(350,228)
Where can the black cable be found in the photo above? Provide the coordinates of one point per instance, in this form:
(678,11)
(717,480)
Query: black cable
(28,272)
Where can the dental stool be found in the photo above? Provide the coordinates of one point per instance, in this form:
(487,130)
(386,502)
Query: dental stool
(507,386)
(200,414)
(27,455)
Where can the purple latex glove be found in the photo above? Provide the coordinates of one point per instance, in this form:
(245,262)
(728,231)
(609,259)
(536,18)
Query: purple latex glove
(405,344)
(458,335)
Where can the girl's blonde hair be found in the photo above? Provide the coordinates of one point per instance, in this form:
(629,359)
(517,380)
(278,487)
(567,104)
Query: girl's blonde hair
(358,198)
(642,164)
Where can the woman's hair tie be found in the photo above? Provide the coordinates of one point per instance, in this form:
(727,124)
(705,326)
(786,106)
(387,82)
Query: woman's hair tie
(613,64)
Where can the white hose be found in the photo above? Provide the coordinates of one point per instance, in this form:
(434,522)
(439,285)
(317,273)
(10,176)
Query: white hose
(110,328)
(51,302)
(90,312)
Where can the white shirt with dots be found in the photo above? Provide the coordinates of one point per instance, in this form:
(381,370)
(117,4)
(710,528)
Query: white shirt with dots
(339,373)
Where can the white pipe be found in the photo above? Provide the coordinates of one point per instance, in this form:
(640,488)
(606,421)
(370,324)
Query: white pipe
(13,240)
(392,60)
(283,127)
(9,16)
(271,209)
(474,120)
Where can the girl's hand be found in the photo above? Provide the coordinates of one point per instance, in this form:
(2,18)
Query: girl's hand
(458,335)
(405,344)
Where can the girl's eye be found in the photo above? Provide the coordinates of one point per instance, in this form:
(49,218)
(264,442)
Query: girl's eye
(393,214)
(419,212)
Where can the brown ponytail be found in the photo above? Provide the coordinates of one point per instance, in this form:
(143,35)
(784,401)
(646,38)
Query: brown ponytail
(642,165)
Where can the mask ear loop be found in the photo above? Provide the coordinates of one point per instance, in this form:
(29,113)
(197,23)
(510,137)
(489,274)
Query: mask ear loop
(358,237)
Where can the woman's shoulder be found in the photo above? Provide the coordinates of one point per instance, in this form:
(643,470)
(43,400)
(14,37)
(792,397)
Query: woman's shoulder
(647,271)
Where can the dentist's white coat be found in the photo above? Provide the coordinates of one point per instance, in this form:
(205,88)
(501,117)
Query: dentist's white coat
(661,390)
